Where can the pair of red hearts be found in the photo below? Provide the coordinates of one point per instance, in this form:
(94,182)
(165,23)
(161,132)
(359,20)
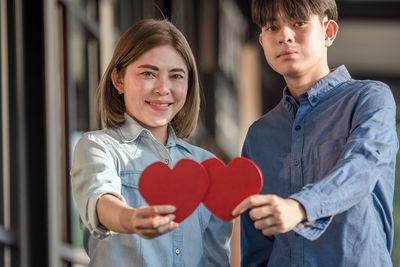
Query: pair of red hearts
(221,188)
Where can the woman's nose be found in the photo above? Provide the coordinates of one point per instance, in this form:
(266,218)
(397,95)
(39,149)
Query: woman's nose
(162,86)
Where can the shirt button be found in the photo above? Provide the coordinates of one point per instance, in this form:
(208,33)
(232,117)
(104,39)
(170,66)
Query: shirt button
(296,162)
(166,161)
(297,128)
(177,251)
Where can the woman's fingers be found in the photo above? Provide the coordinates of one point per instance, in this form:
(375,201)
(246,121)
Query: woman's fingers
(155,210)
(153,221)
(158,226)
(149,223)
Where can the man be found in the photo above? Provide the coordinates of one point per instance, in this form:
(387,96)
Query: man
(327,151)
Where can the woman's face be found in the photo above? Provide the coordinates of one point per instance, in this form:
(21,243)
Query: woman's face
(155,87)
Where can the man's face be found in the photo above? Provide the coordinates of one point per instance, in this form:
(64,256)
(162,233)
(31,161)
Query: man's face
(295,47)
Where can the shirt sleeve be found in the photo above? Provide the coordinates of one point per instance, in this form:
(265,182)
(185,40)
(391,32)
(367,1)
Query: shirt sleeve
(368,156)
(254,246)
(217,238)
(93,174)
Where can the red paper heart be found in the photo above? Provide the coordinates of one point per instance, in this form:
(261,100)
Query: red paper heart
(183,187)
(230,185)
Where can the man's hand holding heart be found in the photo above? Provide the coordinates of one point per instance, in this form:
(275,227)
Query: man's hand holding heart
(272,214)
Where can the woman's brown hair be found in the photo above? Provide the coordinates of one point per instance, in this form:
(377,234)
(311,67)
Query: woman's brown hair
(137,40)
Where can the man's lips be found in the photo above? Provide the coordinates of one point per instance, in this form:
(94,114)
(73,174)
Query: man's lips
(287,53)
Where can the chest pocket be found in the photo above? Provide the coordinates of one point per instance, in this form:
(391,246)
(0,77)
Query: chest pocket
(130,188)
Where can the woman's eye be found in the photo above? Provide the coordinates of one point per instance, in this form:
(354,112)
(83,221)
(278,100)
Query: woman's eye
(148,74)
(177,76)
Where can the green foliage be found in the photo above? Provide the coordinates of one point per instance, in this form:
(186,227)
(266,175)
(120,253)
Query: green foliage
(396,212)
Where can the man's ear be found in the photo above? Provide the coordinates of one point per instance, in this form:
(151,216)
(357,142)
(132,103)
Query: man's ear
(117,81)
(260,39)
(331,30)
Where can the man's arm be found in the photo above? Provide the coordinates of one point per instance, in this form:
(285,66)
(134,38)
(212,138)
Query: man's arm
(368,158)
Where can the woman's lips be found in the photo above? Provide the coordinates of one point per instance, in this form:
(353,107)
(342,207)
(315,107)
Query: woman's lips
(159,105)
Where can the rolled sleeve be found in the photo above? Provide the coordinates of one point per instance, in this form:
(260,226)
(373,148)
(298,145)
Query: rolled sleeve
(93,174)
(311,228)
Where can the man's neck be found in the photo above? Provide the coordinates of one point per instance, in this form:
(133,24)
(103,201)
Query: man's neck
(300,84)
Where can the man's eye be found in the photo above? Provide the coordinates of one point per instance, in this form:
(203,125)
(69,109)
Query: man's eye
(299,23)
(271,28)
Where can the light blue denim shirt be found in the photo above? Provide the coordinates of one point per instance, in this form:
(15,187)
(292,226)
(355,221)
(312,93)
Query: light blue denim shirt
(335,153)
(111,161)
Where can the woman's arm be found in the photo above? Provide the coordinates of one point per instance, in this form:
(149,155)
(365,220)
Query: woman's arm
(147,222)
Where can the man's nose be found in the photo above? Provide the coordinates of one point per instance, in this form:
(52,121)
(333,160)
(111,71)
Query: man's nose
(286,35)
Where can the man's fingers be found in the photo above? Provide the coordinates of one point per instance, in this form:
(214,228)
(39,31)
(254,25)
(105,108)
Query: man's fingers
(251,202)
(261,212)
(273,230)
(265,223)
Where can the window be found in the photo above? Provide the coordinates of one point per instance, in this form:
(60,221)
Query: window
(79,73)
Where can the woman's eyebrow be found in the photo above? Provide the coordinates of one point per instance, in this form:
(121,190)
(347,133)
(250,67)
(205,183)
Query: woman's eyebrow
(152,67)
(177,70)
(148,66)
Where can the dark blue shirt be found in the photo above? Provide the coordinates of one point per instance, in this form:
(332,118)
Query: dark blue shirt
(335,153)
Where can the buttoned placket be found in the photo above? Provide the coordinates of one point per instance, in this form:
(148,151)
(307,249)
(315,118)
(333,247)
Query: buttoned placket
(297,181)
(160,150)
(165,157)
(177,240)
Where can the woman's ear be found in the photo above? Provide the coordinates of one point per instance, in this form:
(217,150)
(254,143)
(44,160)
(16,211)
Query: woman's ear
(331,30)
(117,81)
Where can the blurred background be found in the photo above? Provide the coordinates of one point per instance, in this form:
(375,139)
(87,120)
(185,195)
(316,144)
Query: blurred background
(53,53)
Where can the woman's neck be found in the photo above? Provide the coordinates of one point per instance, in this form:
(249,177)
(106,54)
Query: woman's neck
(161,134)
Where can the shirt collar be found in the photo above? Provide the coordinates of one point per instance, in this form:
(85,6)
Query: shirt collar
(322,89)
(131,130)
(326,86)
